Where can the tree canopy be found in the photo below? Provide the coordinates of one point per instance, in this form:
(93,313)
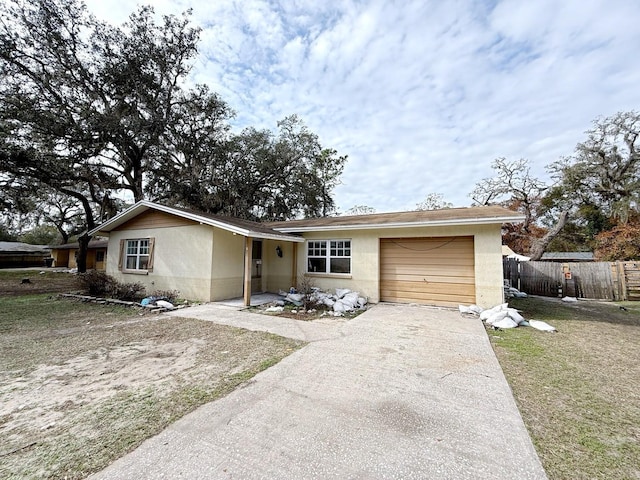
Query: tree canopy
(360,210)
(595,191)
(433,201)
(96,113)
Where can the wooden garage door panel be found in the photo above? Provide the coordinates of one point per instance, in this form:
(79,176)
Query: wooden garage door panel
(436,271)
(429,269)
(460,279)
(429,287)
(432,299)
(416,259)
(400,247)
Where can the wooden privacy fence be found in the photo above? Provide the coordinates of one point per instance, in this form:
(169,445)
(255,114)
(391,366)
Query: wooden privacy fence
(600,280)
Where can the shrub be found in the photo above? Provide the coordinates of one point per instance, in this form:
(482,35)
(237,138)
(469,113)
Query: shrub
(96,283)
(99,284)
(128,291)
(307,289)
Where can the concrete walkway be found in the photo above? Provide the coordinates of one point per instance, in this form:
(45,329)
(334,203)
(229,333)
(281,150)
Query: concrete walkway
(399,392)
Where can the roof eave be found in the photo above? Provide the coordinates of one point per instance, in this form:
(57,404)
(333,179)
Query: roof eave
(435,223)
(145,205)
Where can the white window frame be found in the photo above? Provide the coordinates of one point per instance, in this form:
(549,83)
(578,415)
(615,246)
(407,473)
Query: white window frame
(334,248)
(137,255)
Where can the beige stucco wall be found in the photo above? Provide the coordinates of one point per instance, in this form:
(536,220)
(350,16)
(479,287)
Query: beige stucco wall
(182,260)
(277,273)
(60,257)
(227,268)
(365,254)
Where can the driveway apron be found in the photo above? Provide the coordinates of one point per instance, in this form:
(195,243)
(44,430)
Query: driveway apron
(399,392)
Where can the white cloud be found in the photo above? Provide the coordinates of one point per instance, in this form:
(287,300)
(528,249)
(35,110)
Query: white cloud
(422,95)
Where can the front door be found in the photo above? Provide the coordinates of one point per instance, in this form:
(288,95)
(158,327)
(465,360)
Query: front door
(256,267)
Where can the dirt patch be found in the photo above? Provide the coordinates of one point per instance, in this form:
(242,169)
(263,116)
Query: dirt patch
(12,282)
(82,384)
(39,399)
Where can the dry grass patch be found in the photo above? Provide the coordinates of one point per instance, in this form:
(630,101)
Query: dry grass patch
(50,281)
(578,390)
(83,384)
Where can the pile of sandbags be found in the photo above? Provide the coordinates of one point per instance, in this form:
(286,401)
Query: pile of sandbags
(340,302)
(501,316)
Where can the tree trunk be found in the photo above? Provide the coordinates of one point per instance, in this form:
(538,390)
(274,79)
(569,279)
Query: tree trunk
(540,245)
(83,249)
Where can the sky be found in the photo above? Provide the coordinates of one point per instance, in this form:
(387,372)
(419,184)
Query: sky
(421,95)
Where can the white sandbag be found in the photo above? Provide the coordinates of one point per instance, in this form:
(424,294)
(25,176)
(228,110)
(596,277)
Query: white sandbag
(362,302)
(341,307)
(347,303)
(341,292)
(498,308)
(514,292)
(471,309)
(506,322)
(352,298)
(164,304)
(478,310)
(496,317)
(569,299)
(295,297)
(514,315)
(328,301)
(540,325)
(274,309)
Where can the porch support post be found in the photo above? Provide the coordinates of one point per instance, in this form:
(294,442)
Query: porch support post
(294,269)
(248,253)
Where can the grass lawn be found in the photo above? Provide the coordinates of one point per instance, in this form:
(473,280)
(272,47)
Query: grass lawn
(579,389)
(82,384)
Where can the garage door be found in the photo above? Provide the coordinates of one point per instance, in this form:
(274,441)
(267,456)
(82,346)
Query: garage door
(433,271)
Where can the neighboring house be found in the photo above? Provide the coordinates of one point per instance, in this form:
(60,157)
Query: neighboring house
(438,257)
(67,255)
(510,254)
(18,255)
(567,257)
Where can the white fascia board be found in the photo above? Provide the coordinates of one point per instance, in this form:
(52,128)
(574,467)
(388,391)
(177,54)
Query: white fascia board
(283,238)
(373,226)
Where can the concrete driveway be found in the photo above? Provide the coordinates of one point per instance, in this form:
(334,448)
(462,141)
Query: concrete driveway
(399,392)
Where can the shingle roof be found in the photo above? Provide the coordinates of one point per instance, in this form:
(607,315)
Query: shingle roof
(248,225)
(94,243)
(19,247)
(239,226)
(448,216)
(283,230)
(568,256)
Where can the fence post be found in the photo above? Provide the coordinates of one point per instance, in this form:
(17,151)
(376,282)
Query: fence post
(622,276)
